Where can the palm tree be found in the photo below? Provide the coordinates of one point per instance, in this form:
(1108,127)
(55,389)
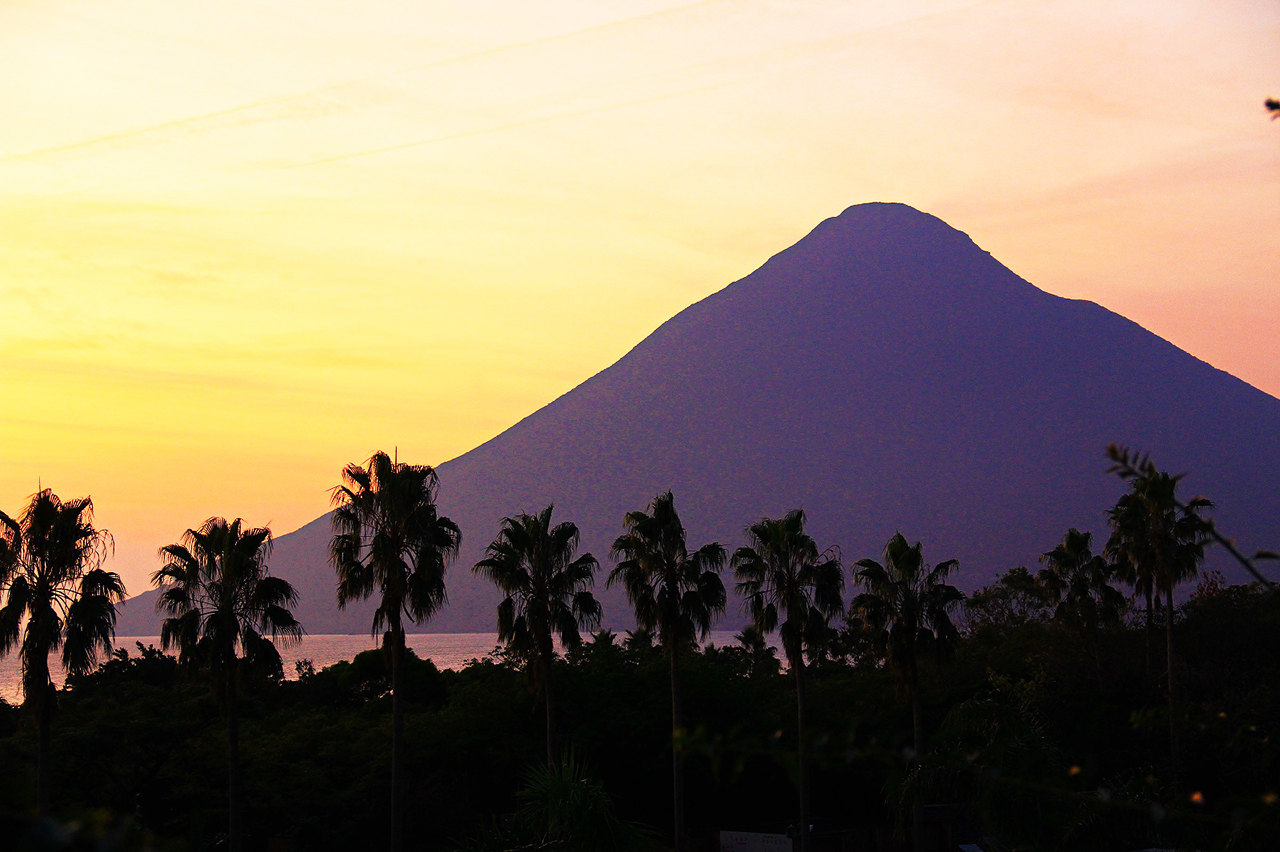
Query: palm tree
(225,614)
(907,609)
(547,595)
(791,587)
(1079,583)
(676,594)
(55,596)
(1160,541)
(1129,548)
(760,658)
(389,537)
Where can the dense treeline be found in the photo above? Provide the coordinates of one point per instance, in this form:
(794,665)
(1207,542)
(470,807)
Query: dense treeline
(139,740)
(1048,710)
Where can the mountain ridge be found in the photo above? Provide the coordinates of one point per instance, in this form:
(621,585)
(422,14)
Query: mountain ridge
(883,373)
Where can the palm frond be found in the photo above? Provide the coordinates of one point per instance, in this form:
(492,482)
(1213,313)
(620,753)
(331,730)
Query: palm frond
(674,593)
(13,612)
(220,596)
(546,586)
(905,608)
(389,538)
(782,576)
(56,595)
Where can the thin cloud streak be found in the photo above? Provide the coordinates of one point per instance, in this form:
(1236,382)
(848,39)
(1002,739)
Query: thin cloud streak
(805,49)
(544,119)
(265,103)
(178,123)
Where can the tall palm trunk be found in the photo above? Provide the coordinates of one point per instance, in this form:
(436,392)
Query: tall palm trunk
(235,829)
(42,708)
(1094,640)
(917,732)
(1169,677)
(1149,628)
(397,736)
(43,784)
(677,757)
(549,703)
(797,666)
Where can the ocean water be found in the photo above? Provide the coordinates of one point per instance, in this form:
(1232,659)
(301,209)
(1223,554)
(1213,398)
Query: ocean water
(446,650)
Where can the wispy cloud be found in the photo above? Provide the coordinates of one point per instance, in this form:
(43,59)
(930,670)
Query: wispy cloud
(511,125)
(269,108)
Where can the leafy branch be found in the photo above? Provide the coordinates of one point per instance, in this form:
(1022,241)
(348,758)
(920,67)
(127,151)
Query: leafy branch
(1130,465)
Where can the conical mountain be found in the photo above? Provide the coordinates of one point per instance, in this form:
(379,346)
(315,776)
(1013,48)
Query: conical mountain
(884,374)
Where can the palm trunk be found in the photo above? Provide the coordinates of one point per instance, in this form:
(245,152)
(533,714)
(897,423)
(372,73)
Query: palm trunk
(43,785)
(548,699)
(677,757)
(797,665)
(1095,646)
(44,760)
(42,708)
(917,731)
(235,831)
(1168,647)
(1150,620)
(397,737)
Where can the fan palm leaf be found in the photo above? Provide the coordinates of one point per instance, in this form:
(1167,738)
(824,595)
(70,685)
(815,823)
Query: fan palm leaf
(547,596)
(389,539)
(221,606)
(906,607)
(54,596)
(676,594)
(791,587)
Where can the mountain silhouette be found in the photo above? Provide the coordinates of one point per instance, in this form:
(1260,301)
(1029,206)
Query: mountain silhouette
(883,374)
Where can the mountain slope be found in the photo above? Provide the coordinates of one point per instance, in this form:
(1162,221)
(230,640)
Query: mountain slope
(884,374)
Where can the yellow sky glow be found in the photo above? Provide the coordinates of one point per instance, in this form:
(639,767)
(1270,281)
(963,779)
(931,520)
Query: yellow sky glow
(243,244)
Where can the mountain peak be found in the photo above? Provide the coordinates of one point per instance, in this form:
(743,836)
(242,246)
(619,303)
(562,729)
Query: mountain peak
(886,257)
(886,218)
(884,373)
(884,210)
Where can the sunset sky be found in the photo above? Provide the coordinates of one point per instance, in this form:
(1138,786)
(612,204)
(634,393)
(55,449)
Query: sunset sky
(245,243)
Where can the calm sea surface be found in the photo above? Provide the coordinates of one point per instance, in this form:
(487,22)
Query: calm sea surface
(446,650)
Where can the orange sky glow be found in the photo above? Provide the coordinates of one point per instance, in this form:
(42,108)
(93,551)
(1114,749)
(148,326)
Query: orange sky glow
(243,244)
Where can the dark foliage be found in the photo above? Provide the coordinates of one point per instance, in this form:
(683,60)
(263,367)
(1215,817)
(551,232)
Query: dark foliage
(1030,741)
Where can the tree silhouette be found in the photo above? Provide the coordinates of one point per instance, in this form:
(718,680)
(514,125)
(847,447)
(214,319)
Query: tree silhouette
(1129,550)
(676,594)
(547,596)
(907,610)
(759,657)
(55,597)
(1129,466)
(1160,541)
(1017,597)
(790,587)
(1079,583)
(225,614)
(389,538)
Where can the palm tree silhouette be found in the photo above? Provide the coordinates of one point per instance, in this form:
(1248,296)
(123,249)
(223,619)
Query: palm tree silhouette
(1079,583)
(760,657)
(55,596)
(1129,549)
(547,596)
(225,614)
(1160,541)
(676,594)
(792,588)
(906,609)
(389,537)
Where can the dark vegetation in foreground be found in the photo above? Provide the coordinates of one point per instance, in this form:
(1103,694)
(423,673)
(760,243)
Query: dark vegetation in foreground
(1033,737)
(1041,717)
